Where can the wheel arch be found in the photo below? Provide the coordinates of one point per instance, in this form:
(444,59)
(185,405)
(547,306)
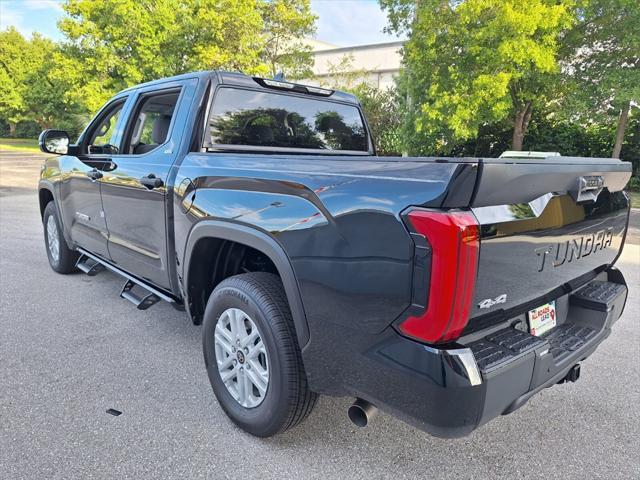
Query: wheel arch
(45,195)
(263,243)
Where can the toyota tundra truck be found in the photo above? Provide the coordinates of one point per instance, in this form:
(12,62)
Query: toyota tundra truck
(444,291)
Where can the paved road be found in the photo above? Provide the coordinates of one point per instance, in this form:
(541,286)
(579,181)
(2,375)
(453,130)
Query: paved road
(70,349)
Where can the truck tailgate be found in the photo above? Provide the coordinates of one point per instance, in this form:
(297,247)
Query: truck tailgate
(545,225)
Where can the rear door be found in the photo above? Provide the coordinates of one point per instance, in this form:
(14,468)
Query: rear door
(134,188)
(80,189)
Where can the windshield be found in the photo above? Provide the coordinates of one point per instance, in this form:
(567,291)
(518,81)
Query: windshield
(265,119)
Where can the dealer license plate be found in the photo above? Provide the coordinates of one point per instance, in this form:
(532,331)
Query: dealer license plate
(542,319)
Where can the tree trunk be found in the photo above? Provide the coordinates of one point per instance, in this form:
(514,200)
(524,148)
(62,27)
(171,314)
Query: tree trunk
(520,125)
(518,134)
(12,129)
(622,125)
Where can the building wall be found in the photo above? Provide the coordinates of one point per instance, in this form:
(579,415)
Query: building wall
(377,63)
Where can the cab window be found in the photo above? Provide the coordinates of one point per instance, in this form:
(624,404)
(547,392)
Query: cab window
(267,120)
(152,119)
(101,137)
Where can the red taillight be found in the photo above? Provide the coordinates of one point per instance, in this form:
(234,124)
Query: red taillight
(454,241)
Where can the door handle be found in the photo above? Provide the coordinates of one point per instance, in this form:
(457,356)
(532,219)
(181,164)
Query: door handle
(151,181)
(94,174)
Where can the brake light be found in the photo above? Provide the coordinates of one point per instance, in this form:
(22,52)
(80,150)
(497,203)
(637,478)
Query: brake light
(455,243)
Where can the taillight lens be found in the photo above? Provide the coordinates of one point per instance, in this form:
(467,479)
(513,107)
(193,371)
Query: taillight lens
(455,243)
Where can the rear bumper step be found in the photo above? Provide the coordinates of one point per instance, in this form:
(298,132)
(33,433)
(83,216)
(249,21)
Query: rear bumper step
(499,349)
(598,295)
(515,364)
(453,390)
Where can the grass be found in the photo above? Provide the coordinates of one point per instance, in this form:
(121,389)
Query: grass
(19,144)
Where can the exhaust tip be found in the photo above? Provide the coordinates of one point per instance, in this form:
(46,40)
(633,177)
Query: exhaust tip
(572,375)
(361,412)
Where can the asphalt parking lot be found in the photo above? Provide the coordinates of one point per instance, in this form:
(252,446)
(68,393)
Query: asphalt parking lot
(70,349)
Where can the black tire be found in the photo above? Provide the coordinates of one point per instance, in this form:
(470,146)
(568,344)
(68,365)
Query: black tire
(287,400)
(66,261)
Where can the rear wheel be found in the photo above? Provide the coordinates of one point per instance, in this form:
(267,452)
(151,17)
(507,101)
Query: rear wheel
(252,355)
(61,258)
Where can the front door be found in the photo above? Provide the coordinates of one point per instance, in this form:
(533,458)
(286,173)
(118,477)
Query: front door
(134,187)
(81,206)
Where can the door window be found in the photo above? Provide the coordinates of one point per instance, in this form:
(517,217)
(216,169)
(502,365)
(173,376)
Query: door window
(152,119)
(102,136)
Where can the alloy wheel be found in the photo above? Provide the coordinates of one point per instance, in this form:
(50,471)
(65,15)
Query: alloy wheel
(242,357)
(52,238)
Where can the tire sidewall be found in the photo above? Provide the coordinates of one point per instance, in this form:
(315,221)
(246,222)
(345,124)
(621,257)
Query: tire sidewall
(273,410)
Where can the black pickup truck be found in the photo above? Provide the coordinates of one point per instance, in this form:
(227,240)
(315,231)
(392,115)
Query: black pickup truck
(446,291)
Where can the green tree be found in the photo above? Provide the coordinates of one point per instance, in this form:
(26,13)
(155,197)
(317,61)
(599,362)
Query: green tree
(113,44)
(471,63)
(603,64)
(286,24)
(382,110)
(15,63)
(46,98)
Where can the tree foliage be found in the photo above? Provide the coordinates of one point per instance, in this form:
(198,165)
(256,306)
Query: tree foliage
(478,66)
(117,43)
(603,56)
(603,64)
(113,44)
(286,24)
(475,62)
(20,61)
(28,88)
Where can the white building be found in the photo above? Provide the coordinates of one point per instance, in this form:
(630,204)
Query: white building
(376,63)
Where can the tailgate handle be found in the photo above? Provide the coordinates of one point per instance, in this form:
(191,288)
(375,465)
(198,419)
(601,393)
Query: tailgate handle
(587,188)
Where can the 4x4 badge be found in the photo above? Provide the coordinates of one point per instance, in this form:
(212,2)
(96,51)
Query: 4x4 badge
(490,302)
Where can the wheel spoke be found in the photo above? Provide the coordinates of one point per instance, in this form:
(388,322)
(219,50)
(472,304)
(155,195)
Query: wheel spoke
(249,340)
(257,350)
(242,388)
(248,387)
(238,321)
(225,363)
(223,337)
(259,380)
(227,375)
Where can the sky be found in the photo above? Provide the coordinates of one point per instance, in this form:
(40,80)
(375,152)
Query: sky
(340,22)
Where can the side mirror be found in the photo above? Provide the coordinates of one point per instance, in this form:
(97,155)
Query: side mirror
(54,141)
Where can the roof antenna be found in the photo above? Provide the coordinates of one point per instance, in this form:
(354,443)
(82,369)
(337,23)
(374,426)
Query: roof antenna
(279,76)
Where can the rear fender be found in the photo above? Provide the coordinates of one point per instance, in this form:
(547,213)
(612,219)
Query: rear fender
(263,242)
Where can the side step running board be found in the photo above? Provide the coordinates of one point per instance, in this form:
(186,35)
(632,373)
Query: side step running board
(89,266)
(142,299)
(136,291)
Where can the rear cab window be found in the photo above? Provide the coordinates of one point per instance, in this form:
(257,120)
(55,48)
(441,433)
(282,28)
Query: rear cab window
(153,114)
(275,121)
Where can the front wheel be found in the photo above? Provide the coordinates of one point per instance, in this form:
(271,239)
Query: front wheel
(252,355)
(61,258)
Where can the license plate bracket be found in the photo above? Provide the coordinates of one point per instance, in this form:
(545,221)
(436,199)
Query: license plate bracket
(542,318)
